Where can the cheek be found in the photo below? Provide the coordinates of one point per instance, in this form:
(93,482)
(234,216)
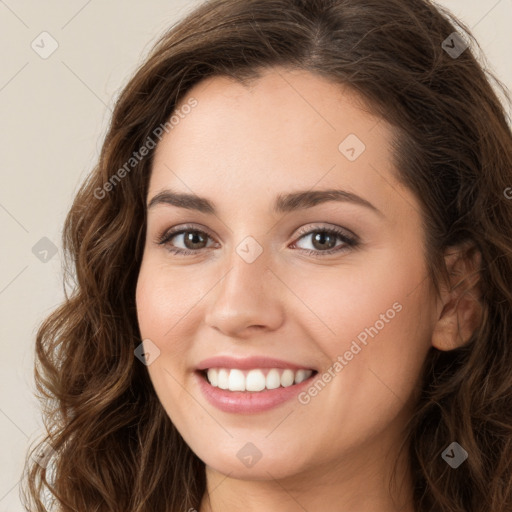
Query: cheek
(377,318)
(165,300)
(346,300)
(162,305)
(373,364)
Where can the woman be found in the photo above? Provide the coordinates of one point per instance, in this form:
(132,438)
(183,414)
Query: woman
(292,266)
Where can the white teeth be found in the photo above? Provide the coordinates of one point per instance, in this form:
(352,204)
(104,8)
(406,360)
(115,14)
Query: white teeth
(273,380)
(301,375)
(255,380)
(213,377)
(287,378)
(236,380)
(223,379)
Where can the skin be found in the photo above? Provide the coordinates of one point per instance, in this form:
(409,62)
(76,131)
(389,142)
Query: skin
(240,148)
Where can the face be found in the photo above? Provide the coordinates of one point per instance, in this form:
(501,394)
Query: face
(280,282)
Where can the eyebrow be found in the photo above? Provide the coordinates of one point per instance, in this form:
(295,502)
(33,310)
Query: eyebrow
(284,202)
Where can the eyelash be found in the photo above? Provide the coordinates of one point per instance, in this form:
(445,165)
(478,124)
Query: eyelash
(348,241)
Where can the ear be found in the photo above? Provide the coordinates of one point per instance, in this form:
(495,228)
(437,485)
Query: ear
(460,308)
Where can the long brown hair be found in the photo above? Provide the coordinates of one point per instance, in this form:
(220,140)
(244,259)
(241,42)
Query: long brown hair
(112,446)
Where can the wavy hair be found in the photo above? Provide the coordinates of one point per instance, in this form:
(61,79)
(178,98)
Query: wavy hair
(109,445)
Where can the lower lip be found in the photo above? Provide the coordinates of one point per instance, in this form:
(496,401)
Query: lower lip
(244,402)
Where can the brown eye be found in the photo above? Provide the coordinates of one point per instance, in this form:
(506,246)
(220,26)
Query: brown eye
(325,241)
(194,239)
(191,240)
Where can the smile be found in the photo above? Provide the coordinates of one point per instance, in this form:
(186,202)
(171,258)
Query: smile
(255,380)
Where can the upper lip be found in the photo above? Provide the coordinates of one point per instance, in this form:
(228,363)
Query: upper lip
(247,363)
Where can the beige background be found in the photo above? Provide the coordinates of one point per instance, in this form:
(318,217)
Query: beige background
(54,113)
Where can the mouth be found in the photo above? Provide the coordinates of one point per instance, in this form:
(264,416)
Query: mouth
(254,380)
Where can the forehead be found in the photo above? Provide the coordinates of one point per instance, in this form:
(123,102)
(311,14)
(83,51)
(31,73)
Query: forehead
(286,130)
(296,104)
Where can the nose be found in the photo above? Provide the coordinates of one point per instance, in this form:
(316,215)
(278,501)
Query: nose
(247,299)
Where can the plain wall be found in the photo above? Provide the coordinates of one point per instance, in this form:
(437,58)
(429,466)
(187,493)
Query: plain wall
(54,113)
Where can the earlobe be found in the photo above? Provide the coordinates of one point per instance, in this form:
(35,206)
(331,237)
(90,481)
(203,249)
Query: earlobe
(460,304)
